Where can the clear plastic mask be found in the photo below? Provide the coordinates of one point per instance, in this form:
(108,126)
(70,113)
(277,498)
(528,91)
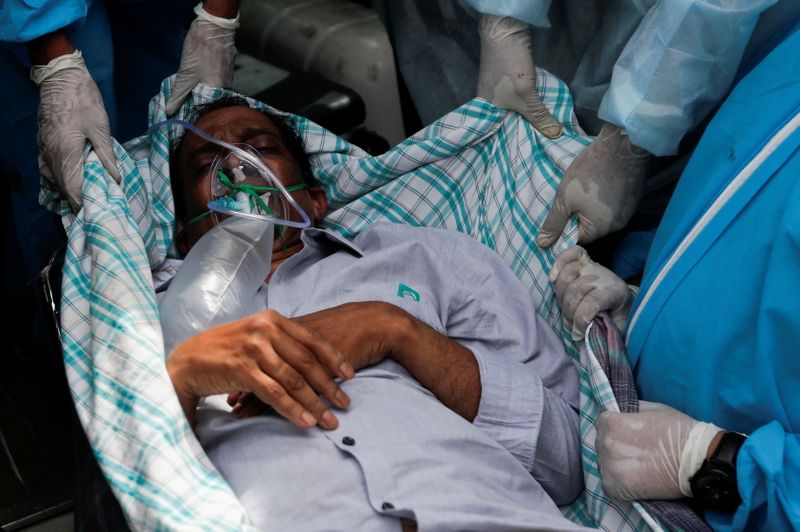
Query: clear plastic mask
(243,185)
(240,188)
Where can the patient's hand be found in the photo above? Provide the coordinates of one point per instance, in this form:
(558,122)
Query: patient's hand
(282,362)
(369,332)
(365,332)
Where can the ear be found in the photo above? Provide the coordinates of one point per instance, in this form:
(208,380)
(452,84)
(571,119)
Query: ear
(319,204)
(182,242)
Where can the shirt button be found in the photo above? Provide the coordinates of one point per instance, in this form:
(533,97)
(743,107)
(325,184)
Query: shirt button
(387,506)
(347,440)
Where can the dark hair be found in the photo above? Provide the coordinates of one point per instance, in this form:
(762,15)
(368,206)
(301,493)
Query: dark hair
(288,132)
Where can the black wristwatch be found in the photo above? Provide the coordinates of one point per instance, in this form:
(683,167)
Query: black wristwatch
(714,484)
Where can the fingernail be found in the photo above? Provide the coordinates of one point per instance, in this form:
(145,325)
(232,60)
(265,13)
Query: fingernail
(342,398)
(308,419)
(553,132)
(346,370)
(329,421)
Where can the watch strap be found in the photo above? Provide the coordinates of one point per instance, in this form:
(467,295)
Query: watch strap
(714,485)
(728,449)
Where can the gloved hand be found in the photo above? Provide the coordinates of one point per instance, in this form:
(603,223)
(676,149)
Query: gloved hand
(603,185)
(651,454)
(70,113)
(507,76)
(208,55)
(586,288)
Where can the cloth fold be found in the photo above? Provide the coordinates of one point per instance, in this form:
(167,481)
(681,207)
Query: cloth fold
(608,350)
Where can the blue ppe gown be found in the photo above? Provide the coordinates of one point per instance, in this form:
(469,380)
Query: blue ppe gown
(715,328)
(23,21)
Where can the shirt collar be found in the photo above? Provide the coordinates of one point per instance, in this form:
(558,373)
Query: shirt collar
(320,238)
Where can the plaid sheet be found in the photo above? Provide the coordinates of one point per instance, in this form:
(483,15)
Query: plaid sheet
(478,170)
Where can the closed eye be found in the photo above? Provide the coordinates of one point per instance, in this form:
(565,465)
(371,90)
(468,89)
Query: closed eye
(268,150)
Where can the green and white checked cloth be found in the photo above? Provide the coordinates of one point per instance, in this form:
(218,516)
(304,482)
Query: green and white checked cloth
(478,170)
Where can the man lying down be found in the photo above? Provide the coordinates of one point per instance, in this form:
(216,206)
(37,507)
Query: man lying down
(410,381)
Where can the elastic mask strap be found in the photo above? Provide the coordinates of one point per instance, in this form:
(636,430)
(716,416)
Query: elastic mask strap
(194,219)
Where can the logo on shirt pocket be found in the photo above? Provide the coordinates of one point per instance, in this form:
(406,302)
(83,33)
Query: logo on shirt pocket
(407,292)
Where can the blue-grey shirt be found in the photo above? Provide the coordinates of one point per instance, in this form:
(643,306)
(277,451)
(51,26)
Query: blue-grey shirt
(398,452)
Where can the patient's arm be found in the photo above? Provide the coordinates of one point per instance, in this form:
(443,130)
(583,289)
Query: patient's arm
(281,362)
(529,387)
(368,332)
(524,409)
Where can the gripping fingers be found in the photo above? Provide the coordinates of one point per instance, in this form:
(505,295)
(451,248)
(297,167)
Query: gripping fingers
(590,230)
(184,83)
(72,173)
(572,254)
(589,307)
(556,220)
(101,141)
(541,118)
(566,277)
(575,293)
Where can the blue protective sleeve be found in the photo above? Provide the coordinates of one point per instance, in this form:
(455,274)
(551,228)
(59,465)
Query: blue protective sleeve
(533,12)
(768,472)
(25,20)
(675,68)
(716,324)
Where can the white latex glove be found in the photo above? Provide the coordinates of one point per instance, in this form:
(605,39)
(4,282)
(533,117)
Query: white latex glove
(70,113)
(603,186)
(651,454)
(507,76)
(586,288)
(207,57)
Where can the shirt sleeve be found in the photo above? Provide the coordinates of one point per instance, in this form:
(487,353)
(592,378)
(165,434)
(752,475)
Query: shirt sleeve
(529,387)
(23,21)
(768,474)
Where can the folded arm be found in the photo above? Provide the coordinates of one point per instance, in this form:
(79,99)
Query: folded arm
(494,362)
(368,332)
(482,375)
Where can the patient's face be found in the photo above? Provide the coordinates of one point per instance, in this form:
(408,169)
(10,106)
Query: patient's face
(240,124)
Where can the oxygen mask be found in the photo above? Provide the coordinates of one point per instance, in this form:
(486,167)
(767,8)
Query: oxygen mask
(243,185)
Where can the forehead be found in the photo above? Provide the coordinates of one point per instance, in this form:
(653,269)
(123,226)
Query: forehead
(231,124)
